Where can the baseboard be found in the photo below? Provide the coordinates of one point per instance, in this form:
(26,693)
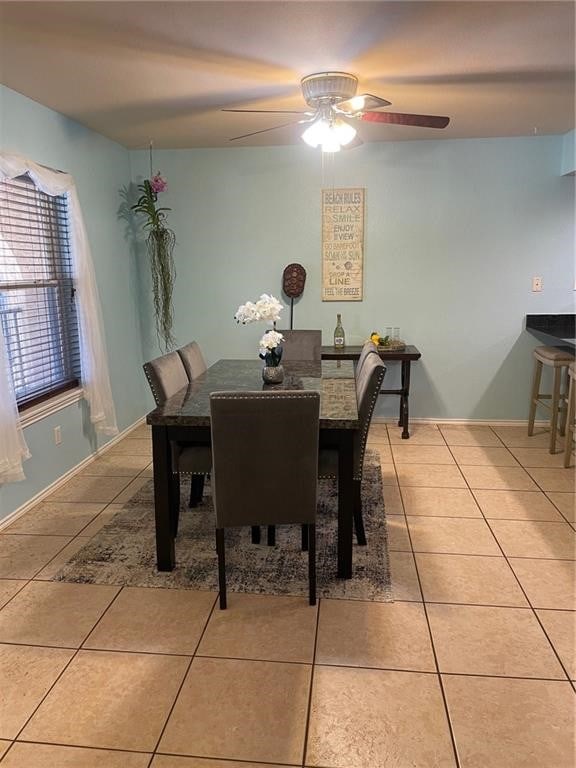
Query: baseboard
(463,422)
(32,502)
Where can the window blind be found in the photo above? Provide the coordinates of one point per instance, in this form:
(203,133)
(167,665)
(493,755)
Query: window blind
(37,306)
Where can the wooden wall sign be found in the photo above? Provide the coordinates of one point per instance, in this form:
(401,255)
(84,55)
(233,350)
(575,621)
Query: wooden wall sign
(342,244)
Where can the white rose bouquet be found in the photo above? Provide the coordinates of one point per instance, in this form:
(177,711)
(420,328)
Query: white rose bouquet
(267,308)
(271,349)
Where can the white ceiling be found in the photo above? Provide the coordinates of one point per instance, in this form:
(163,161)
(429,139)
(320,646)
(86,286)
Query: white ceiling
(136,71)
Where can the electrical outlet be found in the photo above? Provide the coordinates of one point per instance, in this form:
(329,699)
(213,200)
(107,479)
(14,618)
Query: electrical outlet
(57,435)
(536,284)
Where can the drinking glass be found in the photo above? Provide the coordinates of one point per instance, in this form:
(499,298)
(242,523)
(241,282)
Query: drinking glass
(396,334)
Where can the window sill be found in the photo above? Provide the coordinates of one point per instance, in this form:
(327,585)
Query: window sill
(48,407)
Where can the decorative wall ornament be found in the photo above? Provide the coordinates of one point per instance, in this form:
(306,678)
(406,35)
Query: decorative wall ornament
(293,282)
(342,244)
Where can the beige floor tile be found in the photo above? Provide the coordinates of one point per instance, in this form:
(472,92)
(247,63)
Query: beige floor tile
(169,761)
(24,755)
(354,633)
(533,538)
(4,746)
(101,520)
(91,489)
(142,432)
(538,457)
(153,621)
(54,613)
(462,536)
(560,626)
(393,501)
(27,674)
(404,453)
(133,446)
(420,434)
(265,627)
(379,428)
(469,579)
(383,451)
(397,531)
(10,587)
(547,583)
(430,475)
(404,577)
(440,502)
(483,456)
(388,474)
(472,436)
(554,479)
(517,437)
(499,478)
(47,573)
(109,700)
(21,556)
(148,471)
(243,710)
(565,502)
(117,464)
(56,518)
(501,723)
(131,489)
(479,640)
(371,717)
(516,505)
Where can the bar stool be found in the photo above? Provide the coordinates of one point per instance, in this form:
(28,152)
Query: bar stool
(571,414)
(559,360)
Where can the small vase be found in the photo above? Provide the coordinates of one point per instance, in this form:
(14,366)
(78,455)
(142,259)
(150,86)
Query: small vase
(273,374)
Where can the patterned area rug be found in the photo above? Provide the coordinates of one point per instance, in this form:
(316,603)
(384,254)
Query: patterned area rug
(124,553)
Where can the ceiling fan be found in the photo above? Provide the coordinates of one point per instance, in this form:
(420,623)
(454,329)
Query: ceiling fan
(332,97)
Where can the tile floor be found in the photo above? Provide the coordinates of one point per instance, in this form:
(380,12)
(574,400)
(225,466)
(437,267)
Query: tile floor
(472,666)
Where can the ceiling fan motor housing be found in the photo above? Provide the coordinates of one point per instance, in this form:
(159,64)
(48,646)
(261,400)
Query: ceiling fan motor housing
(328,87)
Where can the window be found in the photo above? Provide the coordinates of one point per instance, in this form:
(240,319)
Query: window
(37,306)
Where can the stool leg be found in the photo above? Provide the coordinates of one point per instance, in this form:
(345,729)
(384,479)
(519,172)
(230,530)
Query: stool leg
(564,404)
(570,423)
(555,407)
(534,396)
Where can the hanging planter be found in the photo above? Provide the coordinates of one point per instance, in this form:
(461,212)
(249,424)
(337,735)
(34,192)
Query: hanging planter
(160,242)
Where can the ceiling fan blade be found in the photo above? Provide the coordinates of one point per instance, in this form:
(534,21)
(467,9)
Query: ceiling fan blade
(265,130)
(269,111)
(360,103)
(400,118)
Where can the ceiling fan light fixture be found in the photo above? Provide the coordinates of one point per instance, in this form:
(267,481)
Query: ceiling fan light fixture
(329,134)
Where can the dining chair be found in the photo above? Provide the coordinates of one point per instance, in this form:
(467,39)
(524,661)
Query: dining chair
(368,384)
(265,465)
(193,360)
(368,348)
(302,345)
(166,376)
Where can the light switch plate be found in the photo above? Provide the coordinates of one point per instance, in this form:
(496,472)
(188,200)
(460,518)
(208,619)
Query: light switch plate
(536,284)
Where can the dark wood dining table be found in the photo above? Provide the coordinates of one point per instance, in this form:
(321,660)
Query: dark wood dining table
(186,417)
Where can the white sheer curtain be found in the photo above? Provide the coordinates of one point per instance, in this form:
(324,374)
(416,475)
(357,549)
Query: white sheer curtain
(94,361)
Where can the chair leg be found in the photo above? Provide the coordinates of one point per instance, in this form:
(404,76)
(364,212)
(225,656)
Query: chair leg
(271,536)
(221,566)
(564,403)
(311,564)
(255,534)
(175,506)
(555,407)
(534,396)
(570,423)
(357,512)
(304,538)
(196,490)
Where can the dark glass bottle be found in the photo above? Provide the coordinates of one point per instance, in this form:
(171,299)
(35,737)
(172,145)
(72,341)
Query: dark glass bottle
(339,337)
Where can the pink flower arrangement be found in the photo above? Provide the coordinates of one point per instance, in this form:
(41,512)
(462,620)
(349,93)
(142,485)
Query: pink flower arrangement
(158,184)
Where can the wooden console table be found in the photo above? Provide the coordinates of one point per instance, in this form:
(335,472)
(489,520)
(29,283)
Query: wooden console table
(406,356)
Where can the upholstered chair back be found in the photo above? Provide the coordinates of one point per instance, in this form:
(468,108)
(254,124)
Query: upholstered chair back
(166,376)
(302,345)
(368,384)
(193,360)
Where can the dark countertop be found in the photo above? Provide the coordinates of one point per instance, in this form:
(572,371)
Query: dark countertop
(353,353)
(555,330)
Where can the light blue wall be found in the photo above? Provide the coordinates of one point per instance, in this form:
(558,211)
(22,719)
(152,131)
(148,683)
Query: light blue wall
(100,168)
(455,230)
(568,153)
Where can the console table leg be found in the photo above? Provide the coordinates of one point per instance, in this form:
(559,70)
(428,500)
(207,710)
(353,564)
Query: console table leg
(404,409)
